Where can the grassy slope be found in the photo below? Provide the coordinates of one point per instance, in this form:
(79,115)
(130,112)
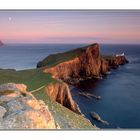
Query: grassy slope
(64,117)
(34,79)
(55,59)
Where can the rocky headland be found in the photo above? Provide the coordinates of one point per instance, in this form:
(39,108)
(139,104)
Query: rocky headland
(50,104)
(74,66)
(89,63)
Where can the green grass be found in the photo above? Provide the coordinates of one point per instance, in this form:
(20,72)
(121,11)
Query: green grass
(35,78)
(63,116)
(55,59)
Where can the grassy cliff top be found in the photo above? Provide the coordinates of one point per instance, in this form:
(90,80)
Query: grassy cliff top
(35,78)
(55,59)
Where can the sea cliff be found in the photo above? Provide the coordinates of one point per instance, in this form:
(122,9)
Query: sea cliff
(51,82)
(74,66)
(60,93)
(89,63)
(21,92)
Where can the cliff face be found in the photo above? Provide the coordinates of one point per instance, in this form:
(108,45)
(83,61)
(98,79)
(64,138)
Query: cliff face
(105,67)
(20,109)
(118,60)
(60,92)
(85,65)
(89,64)
(90,61)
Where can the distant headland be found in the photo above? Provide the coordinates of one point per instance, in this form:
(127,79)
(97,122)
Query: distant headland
(1,43)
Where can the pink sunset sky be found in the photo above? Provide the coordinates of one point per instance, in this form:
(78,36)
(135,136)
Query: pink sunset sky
(70,27)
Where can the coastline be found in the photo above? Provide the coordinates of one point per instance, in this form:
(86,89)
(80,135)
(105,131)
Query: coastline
(108,62)
(68,101)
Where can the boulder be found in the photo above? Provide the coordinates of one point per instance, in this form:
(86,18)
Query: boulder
(19,109)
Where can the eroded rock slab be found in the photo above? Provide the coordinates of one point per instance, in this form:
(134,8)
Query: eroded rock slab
(20,109)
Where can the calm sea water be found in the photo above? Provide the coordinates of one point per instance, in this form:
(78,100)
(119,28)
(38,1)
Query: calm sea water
(26,56)
(120,90)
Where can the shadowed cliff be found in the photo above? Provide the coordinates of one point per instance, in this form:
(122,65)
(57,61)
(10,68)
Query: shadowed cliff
(60,92)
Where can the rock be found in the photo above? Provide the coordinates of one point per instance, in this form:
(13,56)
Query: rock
(21,111)
(89,95)
(13,87)
(86,65)
(89,64)
(60,92)
(84,95)
(95,116)
(39,64)
(104,67)
(116,61)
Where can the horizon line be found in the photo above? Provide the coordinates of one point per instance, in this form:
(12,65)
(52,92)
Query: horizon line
(70,43)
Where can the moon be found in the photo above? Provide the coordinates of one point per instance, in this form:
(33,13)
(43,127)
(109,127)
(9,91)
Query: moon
(9,18)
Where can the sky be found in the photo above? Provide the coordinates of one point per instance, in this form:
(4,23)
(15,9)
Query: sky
(121,27)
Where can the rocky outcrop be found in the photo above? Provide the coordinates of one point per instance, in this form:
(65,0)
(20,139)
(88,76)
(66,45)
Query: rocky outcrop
(116,61)
(89,64)
(81,67)
(60,92)
(96,116)
(20,109)
(104,66)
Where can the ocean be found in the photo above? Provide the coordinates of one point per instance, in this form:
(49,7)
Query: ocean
(26,56)
(119,90)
